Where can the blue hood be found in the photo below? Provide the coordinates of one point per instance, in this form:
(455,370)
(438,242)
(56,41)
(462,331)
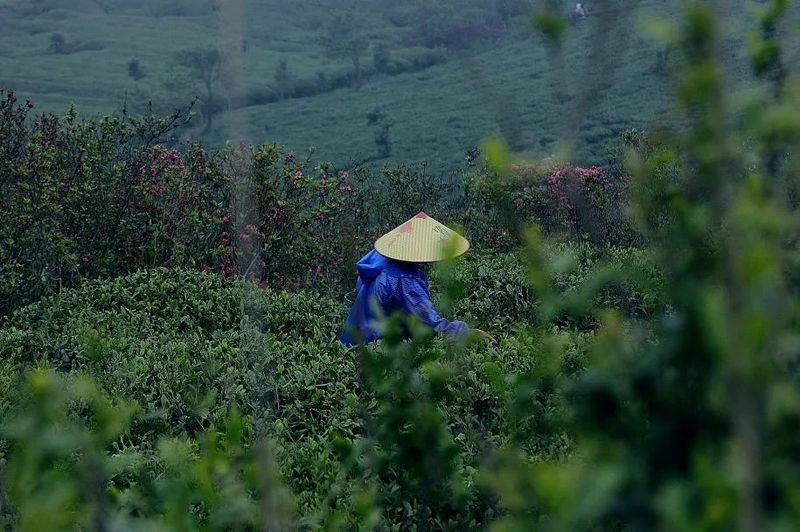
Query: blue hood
(371,265)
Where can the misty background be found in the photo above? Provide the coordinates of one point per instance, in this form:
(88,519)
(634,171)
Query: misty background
(362,81)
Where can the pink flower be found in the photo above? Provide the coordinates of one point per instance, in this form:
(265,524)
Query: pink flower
(252,230)
(589,174)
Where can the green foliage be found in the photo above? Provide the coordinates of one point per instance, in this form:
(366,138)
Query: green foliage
(379,119)
(104,198)
(89,199)
(58,45)
(496,154)
(64,436)
(344,39)
(283,78)
(494,291)
(135,70)
(675,427)
(634,388)
(311,220)
(550,23)
(587,204)
(174,353)
(188,347)
(206,67)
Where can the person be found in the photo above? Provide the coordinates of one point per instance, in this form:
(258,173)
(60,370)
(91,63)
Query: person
(578,13)
(391,280)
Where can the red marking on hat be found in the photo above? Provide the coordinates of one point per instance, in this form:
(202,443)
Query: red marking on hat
(421,215)
(406,227)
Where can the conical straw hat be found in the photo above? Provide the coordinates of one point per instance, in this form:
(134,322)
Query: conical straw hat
(421,239)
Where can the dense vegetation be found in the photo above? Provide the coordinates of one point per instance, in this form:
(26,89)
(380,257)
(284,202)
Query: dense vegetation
(169,318)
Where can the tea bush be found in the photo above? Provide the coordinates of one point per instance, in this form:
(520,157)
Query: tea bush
(165,338)
(494,290)
(184,349)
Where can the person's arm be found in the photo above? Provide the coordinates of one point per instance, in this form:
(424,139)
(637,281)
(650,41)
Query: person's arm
(418,302)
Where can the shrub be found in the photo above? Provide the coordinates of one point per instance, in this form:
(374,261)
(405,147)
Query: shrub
(99,199)
(187,347)
(380,58)
(60,473)
(494,291)
(382,123)
(135,70)
(687,423)
(176,353)
(58,44)
(312,223)
(583,203)
(282,78)
(400,191)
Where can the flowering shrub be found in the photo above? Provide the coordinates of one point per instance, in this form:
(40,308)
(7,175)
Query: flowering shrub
(91,199)
(587,203)
(98,199)
(312,221)
(581,203)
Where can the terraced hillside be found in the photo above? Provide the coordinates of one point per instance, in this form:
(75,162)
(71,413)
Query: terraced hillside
(440,79)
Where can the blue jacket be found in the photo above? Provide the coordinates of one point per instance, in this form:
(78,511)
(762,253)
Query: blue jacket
(386,286)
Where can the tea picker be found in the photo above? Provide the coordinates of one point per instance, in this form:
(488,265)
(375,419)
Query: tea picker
(391,280)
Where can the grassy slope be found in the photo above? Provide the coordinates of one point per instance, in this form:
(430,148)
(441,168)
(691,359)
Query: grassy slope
(514,88)
(97,80)
(447,109)
(439,113)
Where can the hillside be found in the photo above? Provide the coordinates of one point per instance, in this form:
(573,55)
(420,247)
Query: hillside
(605,77)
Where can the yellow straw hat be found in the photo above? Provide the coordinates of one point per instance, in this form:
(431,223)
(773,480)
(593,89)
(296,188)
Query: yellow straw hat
(421,239)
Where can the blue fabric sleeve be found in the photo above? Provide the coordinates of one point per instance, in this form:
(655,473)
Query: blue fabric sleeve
(418,302)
